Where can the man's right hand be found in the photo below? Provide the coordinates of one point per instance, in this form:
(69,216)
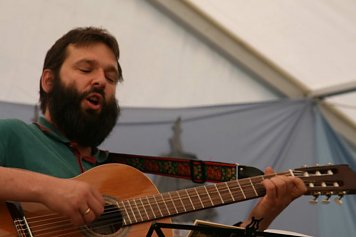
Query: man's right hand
(74,199)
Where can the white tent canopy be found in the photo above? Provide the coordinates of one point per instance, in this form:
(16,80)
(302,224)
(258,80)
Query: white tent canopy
(300,48)
(183,53)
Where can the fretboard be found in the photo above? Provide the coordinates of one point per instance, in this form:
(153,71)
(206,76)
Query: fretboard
(192,199)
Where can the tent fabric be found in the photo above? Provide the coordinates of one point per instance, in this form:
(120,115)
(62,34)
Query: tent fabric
(337,152)
(283,134)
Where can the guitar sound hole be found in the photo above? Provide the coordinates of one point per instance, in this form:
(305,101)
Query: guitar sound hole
(109,222)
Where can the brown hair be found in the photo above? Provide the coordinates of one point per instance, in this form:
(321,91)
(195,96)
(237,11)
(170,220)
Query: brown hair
(79,36)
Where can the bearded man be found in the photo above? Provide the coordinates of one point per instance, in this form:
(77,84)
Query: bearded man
(77,95)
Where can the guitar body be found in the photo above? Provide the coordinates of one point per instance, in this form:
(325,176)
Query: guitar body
(117,181)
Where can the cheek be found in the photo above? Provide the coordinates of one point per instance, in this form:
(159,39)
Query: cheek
(110,92)
(72,78)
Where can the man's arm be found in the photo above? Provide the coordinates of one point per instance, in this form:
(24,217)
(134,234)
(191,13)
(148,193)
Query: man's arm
(68,197)
(280,192)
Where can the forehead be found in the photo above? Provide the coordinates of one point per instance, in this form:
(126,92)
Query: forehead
(96,52)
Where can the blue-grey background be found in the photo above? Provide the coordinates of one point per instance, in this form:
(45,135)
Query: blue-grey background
(282,133)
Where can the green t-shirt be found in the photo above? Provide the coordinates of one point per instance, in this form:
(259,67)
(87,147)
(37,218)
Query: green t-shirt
(26,146)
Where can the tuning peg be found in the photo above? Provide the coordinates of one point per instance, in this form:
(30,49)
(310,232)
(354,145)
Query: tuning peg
(338,200)
(339,197)
(314,201)
(326,199)
(315,196)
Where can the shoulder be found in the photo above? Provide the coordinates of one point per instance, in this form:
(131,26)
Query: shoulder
(12,125)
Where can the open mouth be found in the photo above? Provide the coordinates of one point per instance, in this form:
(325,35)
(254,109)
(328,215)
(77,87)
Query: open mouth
(94,101)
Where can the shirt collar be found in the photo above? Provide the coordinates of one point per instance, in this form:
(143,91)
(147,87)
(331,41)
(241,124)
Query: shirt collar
(52,131)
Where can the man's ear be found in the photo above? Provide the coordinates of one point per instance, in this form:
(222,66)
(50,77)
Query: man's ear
(47,80)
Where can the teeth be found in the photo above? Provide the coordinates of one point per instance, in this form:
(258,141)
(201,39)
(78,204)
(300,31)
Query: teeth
(93,100)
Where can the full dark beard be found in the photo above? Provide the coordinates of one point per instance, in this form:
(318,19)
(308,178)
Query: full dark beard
(87,128)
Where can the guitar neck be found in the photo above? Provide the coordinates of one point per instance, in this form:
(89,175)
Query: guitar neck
(320,180)
(192,199)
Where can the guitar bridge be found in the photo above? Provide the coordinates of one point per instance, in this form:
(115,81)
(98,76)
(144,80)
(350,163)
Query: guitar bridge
(19,219)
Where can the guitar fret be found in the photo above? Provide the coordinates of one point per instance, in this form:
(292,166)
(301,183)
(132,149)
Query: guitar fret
(222,201)
(236,190)
(253,187)
(149,203)
(170,195)
(144,208)
(216,200)
(242,191)
(206,190)
(158,204)
(128,201)
(189,199)
(232,196)
(259,186)
(224,193)
(181,201)
(170,202)
(194,198)
(248,189)
(203,196)
(155,206)
(123,209)
(185,200)
(196,191)
(138,209)
(164,200)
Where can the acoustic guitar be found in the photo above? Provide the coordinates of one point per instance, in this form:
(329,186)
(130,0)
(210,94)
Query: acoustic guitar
(133,202)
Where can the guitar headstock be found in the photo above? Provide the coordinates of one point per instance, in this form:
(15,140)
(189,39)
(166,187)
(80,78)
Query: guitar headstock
(328,180)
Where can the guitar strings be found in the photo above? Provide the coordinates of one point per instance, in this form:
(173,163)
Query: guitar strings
(43,229)
(68,227)
(163,200)
(202,199)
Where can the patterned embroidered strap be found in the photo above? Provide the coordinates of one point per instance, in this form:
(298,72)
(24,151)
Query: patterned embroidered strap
(197,170)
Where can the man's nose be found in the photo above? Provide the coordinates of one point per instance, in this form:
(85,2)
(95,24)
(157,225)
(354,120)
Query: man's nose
(99,79)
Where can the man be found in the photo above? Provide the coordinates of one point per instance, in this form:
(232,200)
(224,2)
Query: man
(77,95)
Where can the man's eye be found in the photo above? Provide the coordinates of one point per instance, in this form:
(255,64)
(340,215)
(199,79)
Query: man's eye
(111,79)
(85,70)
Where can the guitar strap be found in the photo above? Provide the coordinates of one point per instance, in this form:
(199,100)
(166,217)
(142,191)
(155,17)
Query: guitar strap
(196,170)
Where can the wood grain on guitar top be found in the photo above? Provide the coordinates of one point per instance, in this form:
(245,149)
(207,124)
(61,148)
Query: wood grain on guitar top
(115,180)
